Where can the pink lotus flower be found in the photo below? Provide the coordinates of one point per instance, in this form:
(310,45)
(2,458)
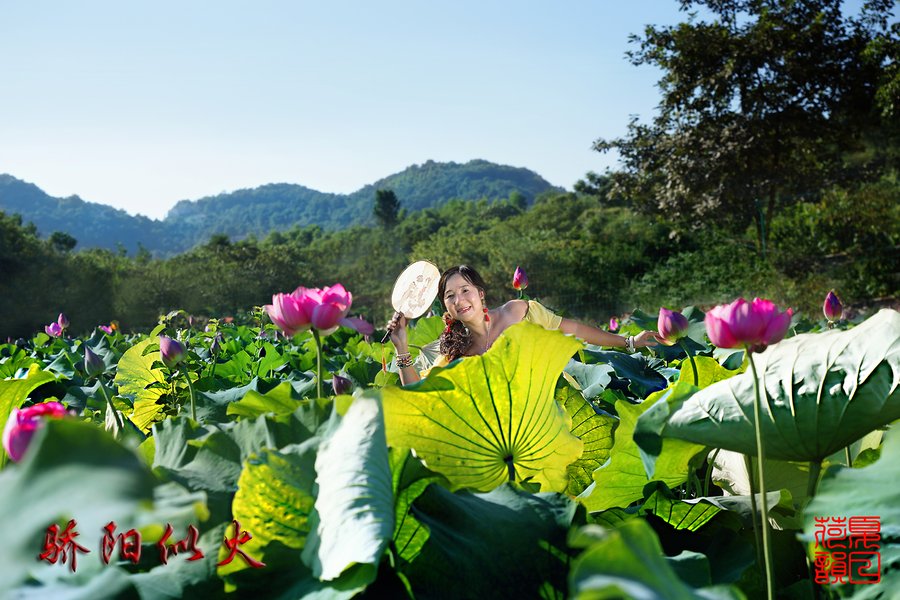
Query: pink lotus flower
(172,351)
(53,330)
(613,324)
(832,307)
(106,329)
(672,326)
(24,422)
(324,309)
(62,321)
(520,279)
(751,325)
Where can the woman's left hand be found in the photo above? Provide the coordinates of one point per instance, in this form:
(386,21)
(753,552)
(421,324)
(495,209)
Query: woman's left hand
(646,339)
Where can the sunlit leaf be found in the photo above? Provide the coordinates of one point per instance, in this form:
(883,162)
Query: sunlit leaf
(594,430)
(274,479)
(491,418)
(133,374)
(621,480)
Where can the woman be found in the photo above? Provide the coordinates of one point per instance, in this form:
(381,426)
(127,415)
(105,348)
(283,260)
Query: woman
(472,327)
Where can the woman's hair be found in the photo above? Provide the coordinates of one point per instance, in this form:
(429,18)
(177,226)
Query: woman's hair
(455,339)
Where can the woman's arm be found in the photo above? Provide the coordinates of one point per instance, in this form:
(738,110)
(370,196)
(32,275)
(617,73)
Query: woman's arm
(408,374)
(598,337)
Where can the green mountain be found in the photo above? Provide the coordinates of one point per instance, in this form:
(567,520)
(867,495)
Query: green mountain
(92,224)
(260,210)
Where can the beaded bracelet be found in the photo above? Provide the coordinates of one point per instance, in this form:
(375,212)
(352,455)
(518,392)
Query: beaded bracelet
(404,360)
(629,343)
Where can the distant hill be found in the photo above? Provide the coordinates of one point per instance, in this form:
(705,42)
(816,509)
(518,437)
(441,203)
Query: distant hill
(92,224)
(276,206)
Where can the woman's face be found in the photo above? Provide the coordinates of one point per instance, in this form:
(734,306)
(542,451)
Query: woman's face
(462,299)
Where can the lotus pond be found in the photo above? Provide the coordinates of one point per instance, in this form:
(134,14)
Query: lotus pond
(543,469)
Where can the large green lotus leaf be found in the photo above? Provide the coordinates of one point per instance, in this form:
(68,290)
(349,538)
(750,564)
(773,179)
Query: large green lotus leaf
(590,379)
(181,578)
(594,429)
(506,543)
(491,418)
(210,457)
(14,392)
(355,501)
(281,400)
(628,562)
(275,479)
(709,371)
(134,373)
(640,371)
(820,392)
(73,470)
(871,491)
(410,478)
(677,513)
(426,331)
(621,480)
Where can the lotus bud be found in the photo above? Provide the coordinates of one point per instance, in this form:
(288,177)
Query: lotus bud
(93,364)
(341,385)
(63,321)
(22,424)
(672,326)
(520,279)
(216,346)
(613,324)
(833,308)
(172,351)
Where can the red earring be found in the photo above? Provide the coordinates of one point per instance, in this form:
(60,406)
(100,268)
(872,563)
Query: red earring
(449,321)
(487,317)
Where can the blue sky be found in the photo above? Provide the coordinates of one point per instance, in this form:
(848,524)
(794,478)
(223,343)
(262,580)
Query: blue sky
(139,105)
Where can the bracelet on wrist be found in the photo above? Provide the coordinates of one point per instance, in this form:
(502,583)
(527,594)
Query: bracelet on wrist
(404,361)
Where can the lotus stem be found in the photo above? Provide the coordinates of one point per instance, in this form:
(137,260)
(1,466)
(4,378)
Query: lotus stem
(748,462)
(109,406)
(187,377)
(318,341)
(763,501)
(709,468)
(847,456)
(510,468)
(815,468)
(691,358)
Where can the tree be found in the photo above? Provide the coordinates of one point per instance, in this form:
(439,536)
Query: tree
(62,241)
(767,103)
(387,208)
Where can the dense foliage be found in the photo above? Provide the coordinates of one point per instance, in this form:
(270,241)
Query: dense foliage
(584,258)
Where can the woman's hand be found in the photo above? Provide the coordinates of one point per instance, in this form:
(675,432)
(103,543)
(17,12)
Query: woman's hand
(397,325)
(646,339)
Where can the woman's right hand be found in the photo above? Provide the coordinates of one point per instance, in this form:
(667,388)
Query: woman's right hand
(397,325)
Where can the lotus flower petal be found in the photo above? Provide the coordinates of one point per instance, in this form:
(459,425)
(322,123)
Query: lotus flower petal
(22,424)
(672,326)
(520,279)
